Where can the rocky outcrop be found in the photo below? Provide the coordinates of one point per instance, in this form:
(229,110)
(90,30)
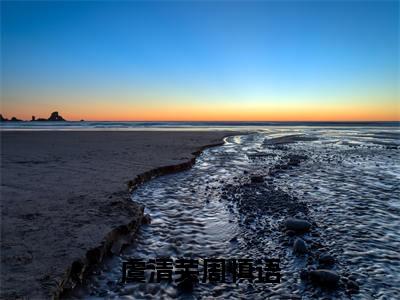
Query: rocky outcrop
(55,117)
(13,119)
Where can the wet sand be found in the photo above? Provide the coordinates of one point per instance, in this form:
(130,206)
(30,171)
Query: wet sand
(64,193)
(324,202)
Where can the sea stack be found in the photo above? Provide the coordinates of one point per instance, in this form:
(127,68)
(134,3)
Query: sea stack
(55,117)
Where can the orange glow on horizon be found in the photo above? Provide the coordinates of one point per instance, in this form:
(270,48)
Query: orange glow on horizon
(109,112)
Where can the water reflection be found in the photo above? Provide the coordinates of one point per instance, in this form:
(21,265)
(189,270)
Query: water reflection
(348,185)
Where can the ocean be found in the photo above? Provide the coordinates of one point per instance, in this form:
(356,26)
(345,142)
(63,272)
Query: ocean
(109,125)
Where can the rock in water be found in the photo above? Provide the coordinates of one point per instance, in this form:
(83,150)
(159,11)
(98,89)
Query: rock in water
(257,179)
(187,284)
(352,286)
(55,117)
(304,274)
(290,233)
(324,278)
(146,219)
(300,246)
(326,259)
(297,225)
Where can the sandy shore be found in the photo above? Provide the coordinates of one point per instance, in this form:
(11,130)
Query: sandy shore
(62,193)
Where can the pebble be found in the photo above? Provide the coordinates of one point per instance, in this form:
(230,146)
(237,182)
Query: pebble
(233,240)
(352,277)
(257,179)
(187,284)
(304,274)
(326,259)
(300,246)
(352,286)
(297,225)
(146,219)
(324,278)
(291,233)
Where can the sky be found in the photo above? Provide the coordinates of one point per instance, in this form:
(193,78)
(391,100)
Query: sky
(201,60)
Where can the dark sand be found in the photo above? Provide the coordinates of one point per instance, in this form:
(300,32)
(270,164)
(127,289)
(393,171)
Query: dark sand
(63,192)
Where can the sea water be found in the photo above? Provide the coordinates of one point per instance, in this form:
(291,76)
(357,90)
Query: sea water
(347,185)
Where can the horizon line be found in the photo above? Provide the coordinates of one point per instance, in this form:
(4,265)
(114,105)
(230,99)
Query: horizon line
(222,121)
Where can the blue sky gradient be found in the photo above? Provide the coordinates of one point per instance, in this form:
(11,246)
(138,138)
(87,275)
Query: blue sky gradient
(199,53)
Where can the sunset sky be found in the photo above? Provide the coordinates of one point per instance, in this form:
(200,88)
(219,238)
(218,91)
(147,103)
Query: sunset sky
(270,61)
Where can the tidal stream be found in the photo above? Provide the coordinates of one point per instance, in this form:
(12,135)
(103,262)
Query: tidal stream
(344,181)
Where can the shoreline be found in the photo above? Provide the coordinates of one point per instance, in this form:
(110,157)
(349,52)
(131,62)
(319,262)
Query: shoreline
(165,170)
(123,231)
(271,196)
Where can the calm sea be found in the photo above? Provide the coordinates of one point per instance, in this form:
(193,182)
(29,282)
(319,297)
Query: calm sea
(95,125)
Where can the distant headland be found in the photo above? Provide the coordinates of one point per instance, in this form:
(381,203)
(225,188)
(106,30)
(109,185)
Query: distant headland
(53,117)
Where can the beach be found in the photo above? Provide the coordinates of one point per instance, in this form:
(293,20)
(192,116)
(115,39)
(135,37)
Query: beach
(65,198)
(322,202)
(200,150)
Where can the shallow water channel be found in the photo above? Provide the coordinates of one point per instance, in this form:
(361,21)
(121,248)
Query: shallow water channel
(345,181)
